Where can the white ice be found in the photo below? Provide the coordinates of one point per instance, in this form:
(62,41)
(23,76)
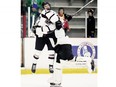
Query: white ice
(69,80)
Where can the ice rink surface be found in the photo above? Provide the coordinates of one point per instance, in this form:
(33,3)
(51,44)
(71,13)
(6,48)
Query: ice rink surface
(69,80)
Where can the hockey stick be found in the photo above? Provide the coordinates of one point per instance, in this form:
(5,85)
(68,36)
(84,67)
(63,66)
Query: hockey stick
(82,8)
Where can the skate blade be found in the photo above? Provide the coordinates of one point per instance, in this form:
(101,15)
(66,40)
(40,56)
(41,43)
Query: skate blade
(56,86)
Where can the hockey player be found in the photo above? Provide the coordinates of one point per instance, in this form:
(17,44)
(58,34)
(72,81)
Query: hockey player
(63,50)
(43,30)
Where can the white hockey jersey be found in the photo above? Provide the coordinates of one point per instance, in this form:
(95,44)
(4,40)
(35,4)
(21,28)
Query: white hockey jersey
(61,37)
(46,27)
(53,17)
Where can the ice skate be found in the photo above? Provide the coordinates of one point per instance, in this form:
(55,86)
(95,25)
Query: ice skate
(55,85)
(92,65)
(33,68)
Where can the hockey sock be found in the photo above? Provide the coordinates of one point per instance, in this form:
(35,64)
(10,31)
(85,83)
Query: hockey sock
(57,73)
(51,61)
(35,58)
(33,68)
